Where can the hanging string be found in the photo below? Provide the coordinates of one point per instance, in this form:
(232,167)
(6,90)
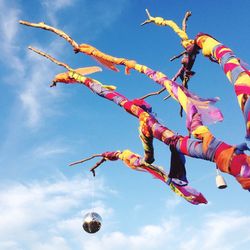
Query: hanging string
(92,184)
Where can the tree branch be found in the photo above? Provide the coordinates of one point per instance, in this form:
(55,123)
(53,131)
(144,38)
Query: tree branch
(185,19)
(97,165)
(51,58)
(44,26)
(149,20)
(177,56)
(153,93)
(85,159)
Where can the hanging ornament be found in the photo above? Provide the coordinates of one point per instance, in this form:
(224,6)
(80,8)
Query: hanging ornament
(220,182)
(92,222)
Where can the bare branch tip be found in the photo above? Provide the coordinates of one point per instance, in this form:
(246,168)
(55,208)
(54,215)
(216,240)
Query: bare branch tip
(148,14)
(93,172)
(167,97)
(54,85)
(149,18)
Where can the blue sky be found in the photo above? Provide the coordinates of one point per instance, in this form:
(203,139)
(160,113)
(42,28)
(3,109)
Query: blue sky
(43,201)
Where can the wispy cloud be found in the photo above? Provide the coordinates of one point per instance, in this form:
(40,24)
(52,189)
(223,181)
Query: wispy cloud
(95,16)
(52,7)
(32,73)
(50,149)
(173,201)
(8,36)
(28,72)
(34,212)
(103,15)
(222,231)
(34,94)
(48,215)
(36,98)
(54,243)
(149,237)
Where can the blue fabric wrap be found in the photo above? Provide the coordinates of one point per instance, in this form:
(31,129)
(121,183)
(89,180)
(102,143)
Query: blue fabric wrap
(213,51)
(194,148)
(214,144)
(240,148)
(225,58)
(119,99)
(98,89)
(101,91)
(236,72)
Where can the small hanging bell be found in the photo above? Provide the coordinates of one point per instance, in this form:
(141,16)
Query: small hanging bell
(220,182)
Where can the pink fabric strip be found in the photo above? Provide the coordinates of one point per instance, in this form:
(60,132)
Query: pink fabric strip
(241,89)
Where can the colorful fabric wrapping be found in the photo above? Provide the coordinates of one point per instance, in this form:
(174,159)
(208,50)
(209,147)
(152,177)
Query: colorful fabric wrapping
(227,157)
(209,114)
(188,193)
(180,32)
(179,186)
(161,22)
(205,147)
(237,74)
(147,143)
(190,102)
(105,59)
(187,61)
(111,155)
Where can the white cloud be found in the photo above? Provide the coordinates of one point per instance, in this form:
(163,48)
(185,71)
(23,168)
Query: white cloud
(173,201)
(57,4)
(35,93)
(222,231)
(95,16)
(48,215)
(30,74)
(8,25)
(100,16)
(138,207)
(8,245)
(39,212)
(149,237)
(51,148)
(33,73)
(54,243)
(8,36)
(31,106)
(37,98)
(52,7)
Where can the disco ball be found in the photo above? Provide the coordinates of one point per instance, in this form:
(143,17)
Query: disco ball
(92,222)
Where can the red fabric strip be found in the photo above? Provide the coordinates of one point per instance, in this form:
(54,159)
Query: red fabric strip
(241,89)
(183,145)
